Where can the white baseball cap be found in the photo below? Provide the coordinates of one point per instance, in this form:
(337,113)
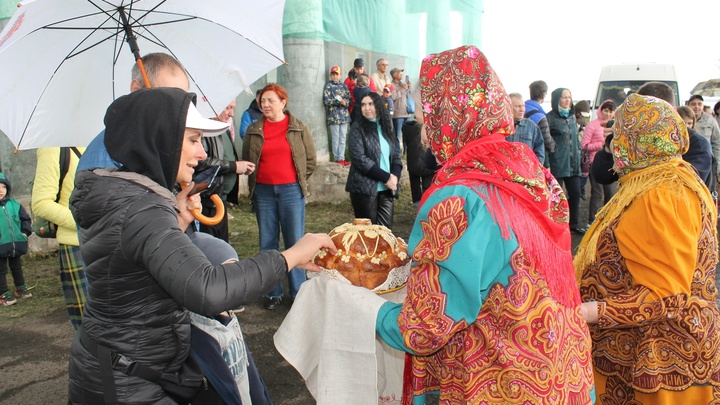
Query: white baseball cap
(208,126)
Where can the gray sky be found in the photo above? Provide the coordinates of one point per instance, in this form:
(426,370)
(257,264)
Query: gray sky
(574,39)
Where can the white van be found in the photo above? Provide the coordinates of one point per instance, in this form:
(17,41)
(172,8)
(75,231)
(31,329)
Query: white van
(617,81)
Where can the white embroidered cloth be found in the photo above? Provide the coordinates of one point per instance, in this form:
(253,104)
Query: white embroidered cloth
(329,337)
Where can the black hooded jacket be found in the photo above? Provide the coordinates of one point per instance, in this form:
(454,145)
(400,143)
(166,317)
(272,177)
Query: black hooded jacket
(144,273)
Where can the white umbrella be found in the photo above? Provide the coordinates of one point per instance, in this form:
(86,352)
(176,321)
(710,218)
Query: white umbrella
(62,62)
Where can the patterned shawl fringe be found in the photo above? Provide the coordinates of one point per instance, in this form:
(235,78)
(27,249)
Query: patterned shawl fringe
(633,186)
(553,262)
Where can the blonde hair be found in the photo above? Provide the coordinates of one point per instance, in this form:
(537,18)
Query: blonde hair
(363,80)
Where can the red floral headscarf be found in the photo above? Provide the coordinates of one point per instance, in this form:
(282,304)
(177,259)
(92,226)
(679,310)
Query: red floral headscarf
(463,100)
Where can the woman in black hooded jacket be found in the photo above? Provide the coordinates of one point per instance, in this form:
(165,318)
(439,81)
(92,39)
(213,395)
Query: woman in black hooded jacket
(144,273)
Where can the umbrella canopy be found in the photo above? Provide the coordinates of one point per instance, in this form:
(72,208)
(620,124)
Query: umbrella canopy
(710,88)
(62,62)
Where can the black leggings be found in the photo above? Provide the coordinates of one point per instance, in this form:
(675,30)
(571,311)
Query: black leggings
(15,263)
(572,185)
(378,208)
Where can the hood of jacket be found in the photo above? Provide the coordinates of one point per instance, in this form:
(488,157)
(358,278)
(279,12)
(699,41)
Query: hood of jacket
(6,182)
(144,131)
(555,100)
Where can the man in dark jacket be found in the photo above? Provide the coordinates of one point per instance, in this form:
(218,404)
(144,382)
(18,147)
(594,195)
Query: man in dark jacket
(420,175)
(535,113)
(250,115)
(221,152)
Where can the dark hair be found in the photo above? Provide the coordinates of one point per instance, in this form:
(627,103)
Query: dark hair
(659,90)
(716,108)
(382,117)
(608,104)
(352,74)
(582,106)
(538,90)
(153,64)
(696,97)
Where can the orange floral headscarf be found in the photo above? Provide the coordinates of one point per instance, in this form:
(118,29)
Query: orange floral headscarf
(648,131)
(463,100)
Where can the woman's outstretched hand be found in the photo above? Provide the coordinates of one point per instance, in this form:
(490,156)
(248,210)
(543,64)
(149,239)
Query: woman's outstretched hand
(300,255)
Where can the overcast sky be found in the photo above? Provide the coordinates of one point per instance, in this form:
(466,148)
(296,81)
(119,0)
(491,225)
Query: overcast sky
(566,43)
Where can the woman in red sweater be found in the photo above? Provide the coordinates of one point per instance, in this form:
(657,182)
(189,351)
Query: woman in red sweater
(283,150)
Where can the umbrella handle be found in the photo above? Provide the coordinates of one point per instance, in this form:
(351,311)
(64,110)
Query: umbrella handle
(219,212)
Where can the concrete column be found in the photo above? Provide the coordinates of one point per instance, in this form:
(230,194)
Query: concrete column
(304,77)
(438,26)
(18,167)
(472,24)
(412,47)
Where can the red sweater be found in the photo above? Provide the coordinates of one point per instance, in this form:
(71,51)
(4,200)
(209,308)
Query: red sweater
(276,164)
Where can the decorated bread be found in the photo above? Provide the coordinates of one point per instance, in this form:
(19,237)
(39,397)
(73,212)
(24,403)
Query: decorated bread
(366,253)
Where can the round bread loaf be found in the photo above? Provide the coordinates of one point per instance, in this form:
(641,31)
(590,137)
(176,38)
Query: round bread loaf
(366,253)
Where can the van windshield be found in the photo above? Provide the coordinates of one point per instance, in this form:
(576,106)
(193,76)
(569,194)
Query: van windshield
(618,90)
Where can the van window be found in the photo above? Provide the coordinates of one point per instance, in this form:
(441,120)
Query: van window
(618,90)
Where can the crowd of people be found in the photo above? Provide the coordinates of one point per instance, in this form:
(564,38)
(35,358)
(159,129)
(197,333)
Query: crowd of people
(497,182)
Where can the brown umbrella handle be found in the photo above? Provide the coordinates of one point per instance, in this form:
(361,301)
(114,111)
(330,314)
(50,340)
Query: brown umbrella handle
(219,212)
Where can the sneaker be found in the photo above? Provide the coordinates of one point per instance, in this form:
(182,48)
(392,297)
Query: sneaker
(272,303)
(23,292)
(238,310)
(343,163)
(7,299)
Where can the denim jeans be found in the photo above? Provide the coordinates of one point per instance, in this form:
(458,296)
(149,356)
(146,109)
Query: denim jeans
(338,133)
(280,207)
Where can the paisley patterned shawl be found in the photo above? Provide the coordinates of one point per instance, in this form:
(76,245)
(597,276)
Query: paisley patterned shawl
(650,137)
(643,344)
(467,116)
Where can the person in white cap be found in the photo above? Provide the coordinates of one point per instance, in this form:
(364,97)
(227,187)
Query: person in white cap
(144,272)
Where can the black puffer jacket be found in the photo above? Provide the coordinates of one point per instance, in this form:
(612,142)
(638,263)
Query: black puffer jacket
(144,273)
(364,148)
(415,150)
